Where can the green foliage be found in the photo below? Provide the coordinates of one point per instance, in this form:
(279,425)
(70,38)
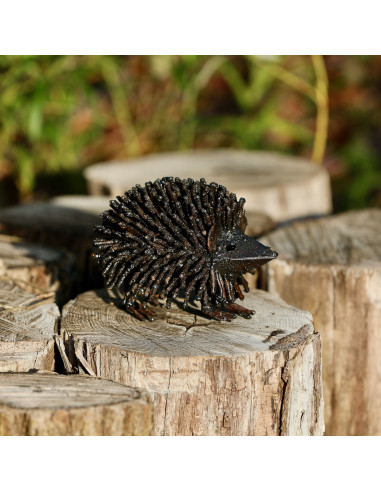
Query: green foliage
(364,178)
(41,99)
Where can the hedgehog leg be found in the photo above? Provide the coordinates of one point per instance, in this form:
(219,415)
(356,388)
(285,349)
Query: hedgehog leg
(217,314)
(238,291)
(154,300)
(212,311)
(141,313)
(245,284)
(237,309)
(135,312)
(138,309)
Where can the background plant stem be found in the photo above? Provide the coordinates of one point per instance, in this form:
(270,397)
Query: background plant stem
(322,116)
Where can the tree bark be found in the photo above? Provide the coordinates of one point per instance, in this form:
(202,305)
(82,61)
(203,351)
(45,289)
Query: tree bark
(248,377)
(37,268)
(27,324)
(282,187)
(332,268)
(55,405)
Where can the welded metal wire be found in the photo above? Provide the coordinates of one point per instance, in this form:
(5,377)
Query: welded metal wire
(154,242)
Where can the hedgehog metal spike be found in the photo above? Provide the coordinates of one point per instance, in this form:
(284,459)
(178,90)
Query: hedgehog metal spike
(179,234)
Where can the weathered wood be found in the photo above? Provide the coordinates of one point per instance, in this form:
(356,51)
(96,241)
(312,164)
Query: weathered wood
(248,377)
(27,324)
(55,405)
(63,227)
(86,203)
(282,187)
(37,268)
(258,223)
(332,268)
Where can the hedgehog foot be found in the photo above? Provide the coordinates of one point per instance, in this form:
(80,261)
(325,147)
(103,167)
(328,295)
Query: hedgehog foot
(140,312)
(217,314)
(240,310)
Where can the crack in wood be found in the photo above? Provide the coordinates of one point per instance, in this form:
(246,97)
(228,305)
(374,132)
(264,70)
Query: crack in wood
(167,396)
(284,377)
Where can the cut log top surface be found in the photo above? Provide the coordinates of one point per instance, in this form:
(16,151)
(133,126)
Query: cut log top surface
(25,316)
(15,253)
(353,238)
(94,317)
(52,391)
(229,167)
(48,217)
(86,203)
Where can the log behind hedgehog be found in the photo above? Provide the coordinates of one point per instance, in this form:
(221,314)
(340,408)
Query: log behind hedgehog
(179,236)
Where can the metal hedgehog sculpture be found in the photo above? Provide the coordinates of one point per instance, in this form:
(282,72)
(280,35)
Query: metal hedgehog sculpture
(179,236)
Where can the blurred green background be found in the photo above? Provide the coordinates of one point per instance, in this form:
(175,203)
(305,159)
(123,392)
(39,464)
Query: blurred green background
(59,114)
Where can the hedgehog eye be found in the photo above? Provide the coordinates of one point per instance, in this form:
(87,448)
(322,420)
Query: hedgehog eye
(230,246)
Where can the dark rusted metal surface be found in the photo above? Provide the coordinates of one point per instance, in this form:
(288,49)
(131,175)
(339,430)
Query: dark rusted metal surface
(179,237)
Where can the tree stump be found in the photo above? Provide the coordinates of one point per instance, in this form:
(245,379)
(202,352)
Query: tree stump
(282,187)
(37,268)
(332,268)
(63,227)
(56,405)
(27,325)
(248,377)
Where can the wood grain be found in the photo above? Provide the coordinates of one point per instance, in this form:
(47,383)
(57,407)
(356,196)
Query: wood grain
(283,187)
(37,268)
(45,404)
(332,268)
(27,326)
(206,377)
(62,227)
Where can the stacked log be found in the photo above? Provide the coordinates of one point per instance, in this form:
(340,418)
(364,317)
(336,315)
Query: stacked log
(282,187)
(257,377)
(332,268)
(27,327)
(248,377)
(37,268)
(44,404)
(62,227)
